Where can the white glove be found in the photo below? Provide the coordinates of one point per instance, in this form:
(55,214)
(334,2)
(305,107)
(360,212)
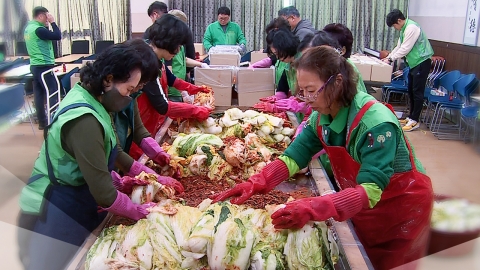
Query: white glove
(205,65)
(187,98)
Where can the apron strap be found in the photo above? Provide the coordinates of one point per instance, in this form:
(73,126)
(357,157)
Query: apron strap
(358,118)
(51,175)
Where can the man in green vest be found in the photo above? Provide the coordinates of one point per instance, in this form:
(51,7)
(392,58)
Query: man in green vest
(223,31)
(38,39)
(413,44)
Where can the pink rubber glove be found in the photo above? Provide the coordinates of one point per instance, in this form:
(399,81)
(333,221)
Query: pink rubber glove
(339,206)
(266,107)
(299,129)
(292,105)
(270,176)
(124,207)
(277,96)
(264,63)
(125,184)
(151,148)
(171,182)
(137,168)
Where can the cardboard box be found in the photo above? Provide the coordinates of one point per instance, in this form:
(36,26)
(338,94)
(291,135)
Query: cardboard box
(253,84)
(199,48)
(257,56)
(220,78)
(74,79)
(381,71)
(372,69)
(225,59)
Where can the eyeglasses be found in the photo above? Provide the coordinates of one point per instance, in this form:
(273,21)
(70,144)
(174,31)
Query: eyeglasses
(310,98)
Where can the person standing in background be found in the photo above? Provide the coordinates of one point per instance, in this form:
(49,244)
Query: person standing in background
(299,27)
(38,39)
(155,12)
(223,31)
(181,63)
(413,44)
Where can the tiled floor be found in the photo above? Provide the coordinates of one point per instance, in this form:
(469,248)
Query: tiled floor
(453,166)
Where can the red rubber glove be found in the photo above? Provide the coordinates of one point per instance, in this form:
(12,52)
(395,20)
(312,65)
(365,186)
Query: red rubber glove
(169,181)
(151,148)
(190,88)
(339,206)
(184,110)
(272,99)
(266,107)
(272,175)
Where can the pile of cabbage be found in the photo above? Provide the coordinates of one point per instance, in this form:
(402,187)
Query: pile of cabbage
(212,236)
(455,215)
(235,122)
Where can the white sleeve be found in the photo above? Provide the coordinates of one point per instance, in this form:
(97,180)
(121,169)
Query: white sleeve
(411,34)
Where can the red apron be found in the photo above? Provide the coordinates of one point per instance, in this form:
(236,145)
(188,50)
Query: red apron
(396,230)
(151,119)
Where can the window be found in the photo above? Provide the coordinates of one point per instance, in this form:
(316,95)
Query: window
(287,3)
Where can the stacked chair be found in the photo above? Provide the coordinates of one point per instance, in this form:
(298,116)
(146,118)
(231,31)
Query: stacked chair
(447,121)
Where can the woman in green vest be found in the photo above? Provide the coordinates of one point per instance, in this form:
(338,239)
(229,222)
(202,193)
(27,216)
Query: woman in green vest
(383,188)
(284,46)
(71,177)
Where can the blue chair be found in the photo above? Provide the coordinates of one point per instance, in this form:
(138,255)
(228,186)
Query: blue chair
(446,81)
(463,88)
(469,116)
(399,86)
(80,47)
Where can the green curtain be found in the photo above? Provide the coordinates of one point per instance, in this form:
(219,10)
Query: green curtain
(365,18)
(252,16)
(87,19)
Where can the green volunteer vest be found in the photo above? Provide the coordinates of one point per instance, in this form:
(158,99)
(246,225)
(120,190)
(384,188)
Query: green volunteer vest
(39,50)
(376,115)
(179,69)
(65,167)
(421,51)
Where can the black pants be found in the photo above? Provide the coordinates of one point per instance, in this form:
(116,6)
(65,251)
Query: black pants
(39,91)
(417,79)
(49,241)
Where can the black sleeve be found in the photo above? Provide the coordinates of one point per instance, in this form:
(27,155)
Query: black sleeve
(170,77)
(283,84)
(156,96)
(190,49)
(45,34)
(83,139)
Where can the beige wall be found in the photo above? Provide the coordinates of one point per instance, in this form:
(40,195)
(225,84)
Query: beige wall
(140,19)
(442,20)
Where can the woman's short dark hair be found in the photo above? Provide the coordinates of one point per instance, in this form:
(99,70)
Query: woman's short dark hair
(223,11)
(277,23)
(323,38)
(150,65)
(117,60)
(394,16)
(284,42)
(305,43)
(168,33)
(326,62)
(344,36)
